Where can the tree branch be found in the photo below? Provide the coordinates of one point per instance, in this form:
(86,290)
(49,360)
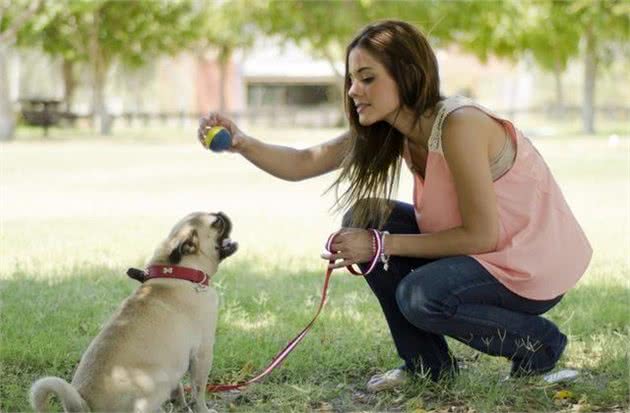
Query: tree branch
(8,36)
(328,55)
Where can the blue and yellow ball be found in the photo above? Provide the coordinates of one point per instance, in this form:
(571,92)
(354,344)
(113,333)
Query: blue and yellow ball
(217,139)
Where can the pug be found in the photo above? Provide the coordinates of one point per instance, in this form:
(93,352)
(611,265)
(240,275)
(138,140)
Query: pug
(163,330)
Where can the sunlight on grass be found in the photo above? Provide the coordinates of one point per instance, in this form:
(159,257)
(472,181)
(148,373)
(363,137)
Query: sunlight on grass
(75,214)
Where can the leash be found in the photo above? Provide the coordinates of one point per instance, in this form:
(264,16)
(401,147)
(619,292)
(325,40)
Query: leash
(282,354)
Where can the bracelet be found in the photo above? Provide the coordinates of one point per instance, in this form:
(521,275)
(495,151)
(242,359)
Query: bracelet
(377,248)
(384,258)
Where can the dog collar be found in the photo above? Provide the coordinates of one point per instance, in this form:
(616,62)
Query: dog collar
(169,271)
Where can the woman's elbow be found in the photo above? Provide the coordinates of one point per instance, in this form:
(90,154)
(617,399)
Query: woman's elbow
(488,245)
(484,241)
(300,168)
(294,178)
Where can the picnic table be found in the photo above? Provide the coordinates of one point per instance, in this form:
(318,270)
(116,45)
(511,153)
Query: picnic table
(41,112)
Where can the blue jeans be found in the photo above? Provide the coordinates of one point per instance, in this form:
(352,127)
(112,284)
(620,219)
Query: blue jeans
(424,300)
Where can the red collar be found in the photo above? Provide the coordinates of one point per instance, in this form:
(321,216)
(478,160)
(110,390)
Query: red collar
(175,271)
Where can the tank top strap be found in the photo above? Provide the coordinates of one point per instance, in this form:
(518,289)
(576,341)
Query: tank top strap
(444,108)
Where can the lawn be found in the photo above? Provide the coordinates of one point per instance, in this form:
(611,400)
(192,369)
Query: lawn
(78,210)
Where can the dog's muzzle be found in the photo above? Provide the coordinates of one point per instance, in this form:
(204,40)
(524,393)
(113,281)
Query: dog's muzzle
(226,246)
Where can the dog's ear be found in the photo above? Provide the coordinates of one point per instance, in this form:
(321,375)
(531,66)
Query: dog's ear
(186,244)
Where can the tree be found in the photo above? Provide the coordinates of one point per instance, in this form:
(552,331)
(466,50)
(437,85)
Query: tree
(553,39)
(327,26)
(605,25)
(13,16)
(513,29)
(132,33)
(551,31)
(323,26)
(104,32)
(226,27)
(58,31)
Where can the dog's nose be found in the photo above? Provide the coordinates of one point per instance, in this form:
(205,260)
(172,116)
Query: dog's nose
(228,248)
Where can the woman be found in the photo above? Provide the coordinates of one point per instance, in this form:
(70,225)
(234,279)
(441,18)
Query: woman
(489,243)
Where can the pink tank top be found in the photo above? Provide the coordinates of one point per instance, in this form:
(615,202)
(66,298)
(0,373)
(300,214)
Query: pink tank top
(542,250)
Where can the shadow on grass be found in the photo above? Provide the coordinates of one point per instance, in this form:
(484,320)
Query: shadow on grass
(48,322)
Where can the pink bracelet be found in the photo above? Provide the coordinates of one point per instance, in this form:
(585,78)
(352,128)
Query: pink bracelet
(376,239)
(377,248)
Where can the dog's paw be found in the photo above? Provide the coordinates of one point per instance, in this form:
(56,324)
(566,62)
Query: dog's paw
(201,408)
(205,409)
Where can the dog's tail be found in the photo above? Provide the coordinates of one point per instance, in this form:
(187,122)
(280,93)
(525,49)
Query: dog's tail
(68,395)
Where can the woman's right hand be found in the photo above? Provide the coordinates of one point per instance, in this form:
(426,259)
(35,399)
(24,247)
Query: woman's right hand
(217,119)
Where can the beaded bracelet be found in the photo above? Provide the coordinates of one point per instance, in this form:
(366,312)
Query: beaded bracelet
(384,258)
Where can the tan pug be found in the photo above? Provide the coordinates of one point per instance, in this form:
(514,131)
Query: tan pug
(164,329)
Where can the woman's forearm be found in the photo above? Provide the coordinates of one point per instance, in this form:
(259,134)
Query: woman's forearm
(294,164)
(280,161)
(456,241)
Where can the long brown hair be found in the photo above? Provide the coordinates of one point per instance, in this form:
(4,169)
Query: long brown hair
(372,165)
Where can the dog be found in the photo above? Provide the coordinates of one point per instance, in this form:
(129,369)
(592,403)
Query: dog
(163,330)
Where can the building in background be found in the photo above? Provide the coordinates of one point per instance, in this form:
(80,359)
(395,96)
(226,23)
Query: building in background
(282,85)
(273,83)
(286,85)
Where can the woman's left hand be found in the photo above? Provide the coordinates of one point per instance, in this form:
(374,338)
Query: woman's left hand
(350,246)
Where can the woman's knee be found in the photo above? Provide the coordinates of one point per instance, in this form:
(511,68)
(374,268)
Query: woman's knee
(418,303)
(409,300)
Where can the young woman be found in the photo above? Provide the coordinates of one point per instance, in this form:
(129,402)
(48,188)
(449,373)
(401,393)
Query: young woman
(488,243)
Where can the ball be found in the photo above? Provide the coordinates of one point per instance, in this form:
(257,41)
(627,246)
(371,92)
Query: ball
(217,139)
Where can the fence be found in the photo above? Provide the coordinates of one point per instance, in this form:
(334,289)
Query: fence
(301,117)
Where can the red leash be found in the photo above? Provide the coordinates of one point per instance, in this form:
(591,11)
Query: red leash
(282,354)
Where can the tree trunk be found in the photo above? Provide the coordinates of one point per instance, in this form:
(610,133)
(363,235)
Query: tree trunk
(590,72)
(339,77)
(100,115)
(7,38)
(224,60)
(69,83)
(222,70)
(101,119)
(557,75)
(8,35)
(7,119)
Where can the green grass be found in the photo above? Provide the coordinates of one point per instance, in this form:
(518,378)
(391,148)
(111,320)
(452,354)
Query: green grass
(78,210)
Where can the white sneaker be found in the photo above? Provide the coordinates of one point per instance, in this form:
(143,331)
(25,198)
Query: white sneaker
(388,380)
(552,378)
(561,375)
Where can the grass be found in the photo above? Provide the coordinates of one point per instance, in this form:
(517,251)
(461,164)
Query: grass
(78,210)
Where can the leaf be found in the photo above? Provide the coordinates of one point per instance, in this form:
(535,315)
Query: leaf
(563,395)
